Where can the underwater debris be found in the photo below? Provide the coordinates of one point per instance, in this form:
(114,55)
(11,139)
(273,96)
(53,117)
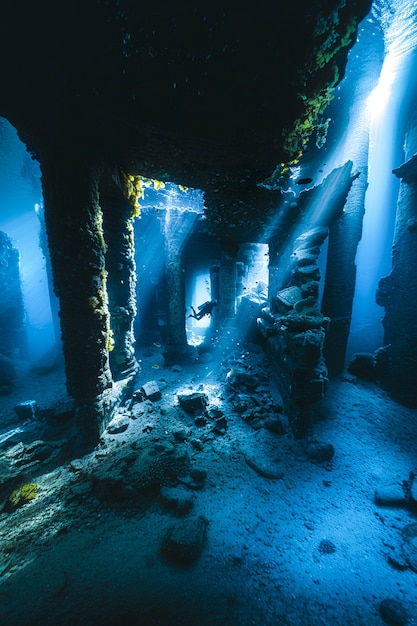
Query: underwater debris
(304,181)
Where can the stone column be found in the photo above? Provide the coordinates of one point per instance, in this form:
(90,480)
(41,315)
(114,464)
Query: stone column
(77,248)
(215,295)
(227,285)
(398,291)
(340,278)
(118,216)
(176,347)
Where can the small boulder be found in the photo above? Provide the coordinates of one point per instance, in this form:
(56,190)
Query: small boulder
(151,391)
(390,495)
(177,499)
(362,365)
(191,402)
(184,541)
(118,425)
(26,410)
(393,612)
(320,452)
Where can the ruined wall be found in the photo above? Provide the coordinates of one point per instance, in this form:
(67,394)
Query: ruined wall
(294,330)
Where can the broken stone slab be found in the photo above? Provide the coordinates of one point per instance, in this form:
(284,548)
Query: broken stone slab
(286,298)
(184,541)
(264,468)
(26,410)
(390,495)
(195,401)
(306,273)
(151,391)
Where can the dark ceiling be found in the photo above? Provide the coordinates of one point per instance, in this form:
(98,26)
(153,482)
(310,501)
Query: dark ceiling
(211,95)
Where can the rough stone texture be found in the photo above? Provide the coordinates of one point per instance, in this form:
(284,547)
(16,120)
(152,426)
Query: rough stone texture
(320,452)
(390,495)
(263,468)
(363,365)
(191,402)
(151,391)
(73,222)
(295,341)
(397,292)
(12,326)
(121,272)
(393,612)
(177,499)
(184,541)
(26,410)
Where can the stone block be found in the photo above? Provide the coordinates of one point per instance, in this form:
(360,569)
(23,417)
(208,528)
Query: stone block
(151,391)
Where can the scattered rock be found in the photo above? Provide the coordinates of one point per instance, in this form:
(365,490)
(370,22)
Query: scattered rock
(151,391)
(390,495)
(184,541)
(200,420)
(393,612)
(26,410)
(199,474)
(326,547)
(265,469)
(177,499)
(118,425)
(191,483)
(362,365)
(320,452)
(191,402)
(176,368)
(274,425)
(180,435)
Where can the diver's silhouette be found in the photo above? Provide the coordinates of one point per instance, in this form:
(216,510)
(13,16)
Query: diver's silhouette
(203,309)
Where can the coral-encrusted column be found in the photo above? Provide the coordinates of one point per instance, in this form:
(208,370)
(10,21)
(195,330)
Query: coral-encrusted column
(74,227)
(118,216)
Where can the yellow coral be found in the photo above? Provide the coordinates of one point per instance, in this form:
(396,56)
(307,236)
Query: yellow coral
(24,494)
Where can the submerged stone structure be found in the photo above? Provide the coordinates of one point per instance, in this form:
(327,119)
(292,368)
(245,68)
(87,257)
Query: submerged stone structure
(186,94)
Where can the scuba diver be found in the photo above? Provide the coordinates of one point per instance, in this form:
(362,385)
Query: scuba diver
(203,309)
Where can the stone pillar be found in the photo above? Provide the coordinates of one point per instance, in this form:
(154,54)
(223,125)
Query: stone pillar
(77,248)
(176,347)
(340,278)
(215,295)
(118,216)
(227,285)
(398,291)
